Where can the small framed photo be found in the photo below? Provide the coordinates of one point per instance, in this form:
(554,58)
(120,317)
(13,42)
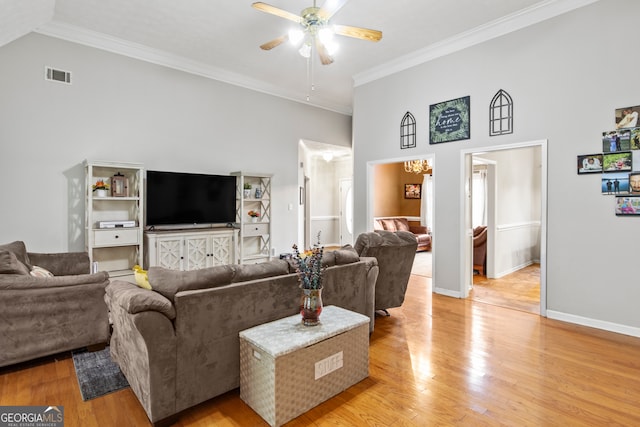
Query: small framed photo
(627,117)
(616,140)
(615,183)
(617,162)
(412,191)
(634,183)
(627,205)
(590,163)
(118,185)
(635,139)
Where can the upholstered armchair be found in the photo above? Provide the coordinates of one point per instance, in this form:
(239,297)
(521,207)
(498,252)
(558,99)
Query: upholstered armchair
(395,252)
(480,249)
(49,303)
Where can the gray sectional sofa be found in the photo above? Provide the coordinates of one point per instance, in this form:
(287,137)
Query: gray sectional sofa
(178,344)
(40,316)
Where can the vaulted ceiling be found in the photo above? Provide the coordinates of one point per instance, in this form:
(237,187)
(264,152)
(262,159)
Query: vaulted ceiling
(221,38)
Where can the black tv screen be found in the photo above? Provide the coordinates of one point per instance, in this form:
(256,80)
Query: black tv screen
(175,198)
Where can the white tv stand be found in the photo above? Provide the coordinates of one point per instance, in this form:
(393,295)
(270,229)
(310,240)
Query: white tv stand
(190,249)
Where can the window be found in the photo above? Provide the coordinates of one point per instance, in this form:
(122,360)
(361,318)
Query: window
(408,131)
(501,114)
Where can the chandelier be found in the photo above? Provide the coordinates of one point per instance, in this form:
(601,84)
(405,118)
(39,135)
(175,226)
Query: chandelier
(417,166)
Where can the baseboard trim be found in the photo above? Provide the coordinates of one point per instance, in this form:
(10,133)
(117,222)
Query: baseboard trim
(511,270)
(447,292)
(594,323)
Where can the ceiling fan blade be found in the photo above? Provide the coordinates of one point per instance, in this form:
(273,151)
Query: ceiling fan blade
(275,42)
(325,58)
(330,8)
(358,33)
(264,7)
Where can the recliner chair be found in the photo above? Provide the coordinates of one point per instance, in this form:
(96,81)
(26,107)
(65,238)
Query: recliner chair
(395,252)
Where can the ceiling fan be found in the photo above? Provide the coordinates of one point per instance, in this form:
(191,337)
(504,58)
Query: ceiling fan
(315,30)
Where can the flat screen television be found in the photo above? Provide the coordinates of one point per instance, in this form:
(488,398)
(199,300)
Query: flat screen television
(175,198)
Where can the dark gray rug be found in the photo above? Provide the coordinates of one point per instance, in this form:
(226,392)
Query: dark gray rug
(97,374)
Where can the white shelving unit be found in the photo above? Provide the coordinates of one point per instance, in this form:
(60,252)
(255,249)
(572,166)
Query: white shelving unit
(254,242)
(116,250)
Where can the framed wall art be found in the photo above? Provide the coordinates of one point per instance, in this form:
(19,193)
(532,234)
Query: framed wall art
(616,140)
(627,117)
(450,120)
(627,205)
(615,183)
(617,162)
(412,191)
(590,163)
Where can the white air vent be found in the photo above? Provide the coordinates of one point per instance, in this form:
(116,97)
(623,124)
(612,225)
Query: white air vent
(57,75)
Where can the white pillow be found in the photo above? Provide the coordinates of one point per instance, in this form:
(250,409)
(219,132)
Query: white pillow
(40,272)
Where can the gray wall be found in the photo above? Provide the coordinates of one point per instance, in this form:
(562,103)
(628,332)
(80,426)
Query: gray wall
(122,109)
(566,75)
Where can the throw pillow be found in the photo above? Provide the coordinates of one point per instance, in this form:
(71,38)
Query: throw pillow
(40,272)
(346,255)
(10,264)
(142,278)
(20,251)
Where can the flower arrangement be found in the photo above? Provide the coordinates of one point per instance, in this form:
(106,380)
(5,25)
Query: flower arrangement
(100,185)
(309,267)
(253,214)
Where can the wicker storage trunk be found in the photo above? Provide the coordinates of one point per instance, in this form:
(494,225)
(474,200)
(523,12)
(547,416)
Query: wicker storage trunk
(287,368)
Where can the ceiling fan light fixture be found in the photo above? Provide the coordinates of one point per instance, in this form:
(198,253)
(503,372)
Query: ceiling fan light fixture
(305,50)
(326,34)
(295,36)
(332,47)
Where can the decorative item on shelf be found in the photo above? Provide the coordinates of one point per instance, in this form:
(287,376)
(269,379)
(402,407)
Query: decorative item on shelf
(247,190)
(309,269)
(254,215)
(258,193)
(100,188)
(118,185)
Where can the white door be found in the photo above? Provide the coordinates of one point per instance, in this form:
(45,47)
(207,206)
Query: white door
(346,211)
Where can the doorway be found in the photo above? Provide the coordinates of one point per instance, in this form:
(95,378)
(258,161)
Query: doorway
(516,224)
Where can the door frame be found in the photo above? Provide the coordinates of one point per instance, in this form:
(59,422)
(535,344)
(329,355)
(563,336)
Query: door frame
(466,271)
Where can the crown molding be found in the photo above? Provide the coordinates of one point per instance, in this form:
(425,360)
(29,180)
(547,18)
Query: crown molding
(524,18)
(141,52)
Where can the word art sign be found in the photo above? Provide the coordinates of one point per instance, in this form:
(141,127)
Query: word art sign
(450,121)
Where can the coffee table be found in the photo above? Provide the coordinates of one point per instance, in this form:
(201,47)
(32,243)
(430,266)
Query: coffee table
(287,368)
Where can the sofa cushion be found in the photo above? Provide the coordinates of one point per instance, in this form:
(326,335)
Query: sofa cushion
(389,224)
(136,300)
(19,249)
(10,264)
(244,273)
(40,272)
(170,282)
(402,224)
(346,255)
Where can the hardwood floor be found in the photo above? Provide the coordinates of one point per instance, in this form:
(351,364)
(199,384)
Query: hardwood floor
(435,361)
(519,290)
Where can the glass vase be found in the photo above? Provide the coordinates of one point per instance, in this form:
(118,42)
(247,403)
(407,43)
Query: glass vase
(311,306)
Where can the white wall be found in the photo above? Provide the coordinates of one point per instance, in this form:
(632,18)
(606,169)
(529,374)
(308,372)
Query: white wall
(325,197)
(564,90)
(122,109)
(518,216)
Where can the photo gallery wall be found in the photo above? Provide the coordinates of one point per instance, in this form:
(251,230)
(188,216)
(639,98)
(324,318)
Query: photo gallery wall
(619,162)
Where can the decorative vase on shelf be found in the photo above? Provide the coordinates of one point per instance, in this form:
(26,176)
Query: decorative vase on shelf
(311,306)
(254,218)
(247,193)
(101,192)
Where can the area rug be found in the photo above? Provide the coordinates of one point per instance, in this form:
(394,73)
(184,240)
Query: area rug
(97,374)
(422,264)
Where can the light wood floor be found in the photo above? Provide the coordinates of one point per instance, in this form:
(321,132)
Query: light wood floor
(437,361)
(519,290)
